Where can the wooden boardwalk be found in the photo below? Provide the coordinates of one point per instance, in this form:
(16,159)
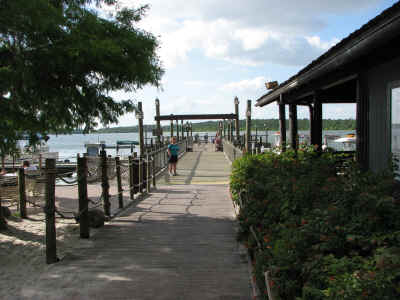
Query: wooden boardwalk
(178,243)
(202,166)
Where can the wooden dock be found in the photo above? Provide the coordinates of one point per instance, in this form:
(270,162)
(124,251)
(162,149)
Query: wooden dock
(177,243)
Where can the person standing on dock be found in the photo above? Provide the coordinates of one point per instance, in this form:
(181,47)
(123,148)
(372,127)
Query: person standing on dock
(173,151)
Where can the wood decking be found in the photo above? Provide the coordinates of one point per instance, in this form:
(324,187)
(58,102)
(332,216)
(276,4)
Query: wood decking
(177,243)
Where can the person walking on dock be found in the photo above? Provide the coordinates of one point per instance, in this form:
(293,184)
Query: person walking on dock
(173,151)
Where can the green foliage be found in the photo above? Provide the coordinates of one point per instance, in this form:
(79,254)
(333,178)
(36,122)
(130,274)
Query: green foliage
(322,235)
(59,60)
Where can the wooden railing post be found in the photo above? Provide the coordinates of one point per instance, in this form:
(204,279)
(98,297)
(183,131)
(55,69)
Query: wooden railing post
(119,182)
(104,183)
(3,222)
(153,169)
(22,193)
(83,199)
(148,181)
(131,186)
(51,246)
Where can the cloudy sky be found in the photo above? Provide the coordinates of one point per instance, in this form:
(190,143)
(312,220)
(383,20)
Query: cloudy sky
(214,50)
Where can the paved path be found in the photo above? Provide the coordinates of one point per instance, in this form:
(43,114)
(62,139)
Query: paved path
(176,244)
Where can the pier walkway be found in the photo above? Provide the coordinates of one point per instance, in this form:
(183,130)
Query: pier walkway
(178,243)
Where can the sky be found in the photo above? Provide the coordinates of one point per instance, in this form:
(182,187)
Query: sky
(214,50)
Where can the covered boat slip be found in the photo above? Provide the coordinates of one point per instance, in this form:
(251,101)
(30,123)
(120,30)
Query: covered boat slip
(362,69)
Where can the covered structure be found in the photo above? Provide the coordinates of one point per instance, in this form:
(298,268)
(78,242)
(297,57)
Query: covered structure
(363,68)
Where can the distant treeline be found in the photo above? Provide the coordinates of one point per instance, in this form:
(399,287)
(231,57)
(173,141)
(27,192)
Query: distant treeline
(269,124)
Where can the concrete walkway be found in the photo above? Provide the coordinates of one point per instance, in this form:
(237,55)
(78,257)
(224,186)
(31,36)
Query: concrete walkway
(176,244)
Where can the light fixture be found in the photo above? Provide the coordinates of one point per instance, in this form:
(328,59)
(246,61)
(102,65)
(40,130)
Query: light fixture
(236,100)
(157,101)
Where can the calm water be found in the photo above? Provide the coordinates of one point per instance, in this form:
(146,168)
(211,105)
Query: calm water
(68,146)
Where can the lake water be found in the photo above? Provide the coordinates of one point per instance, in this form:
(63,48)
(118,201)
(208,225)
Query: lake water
(68,146)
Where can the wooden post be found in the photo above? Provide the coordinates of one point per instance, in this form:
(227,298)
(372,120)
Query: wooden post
(362,124)
(148,179)
(311,113)
(135,173)
(153,170)
(119,182)
(191,129)
(282,123)
(293,126)
(140,122)
(40,161)
(317,118)
(3,222)
(182,130)
(131,184)
(172,129)
(223,129)
(104,183)
(140,174)
(248,127)
(22,193)
(158,122)
(83,198)
(177,130)
(51,246)
(237,118)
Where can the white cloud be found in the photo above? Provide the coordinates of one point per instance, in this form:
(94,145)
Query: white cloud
(249,34)
(245,85)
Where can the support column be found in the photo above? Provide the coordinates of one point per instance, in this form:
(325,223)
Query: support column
(248,127)
(362,124)
(182,130)
(177,130)
(317,123)
(282,123)
(140,121)
(293,126)
(237,119)
(311,114)
(172,129)
(158,122)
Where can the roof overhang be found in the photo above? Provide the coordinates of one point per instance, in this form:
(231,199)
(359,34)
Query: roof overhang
(339,59)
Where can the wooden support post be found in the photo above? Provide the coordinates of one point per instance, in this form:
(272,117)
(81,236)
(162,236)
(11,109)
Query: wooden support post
(131,184)
(22,193)
(223,129)
(172,129)
(311,113)
(83,198)
(158,122)
(282,123)
(237,118)
(191,129)
(317,123)
(293,126)
(104,183)
(182,130)
(141,173)
(153,170)
(50,208)
(3,222)
(135,173)
(362,126)
(140,122)
(148,179)
(119,182)
(248,127)
(177,131)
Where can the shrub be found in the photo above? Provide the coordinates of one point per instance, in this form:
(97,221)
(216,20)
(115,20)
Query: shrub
(322,231)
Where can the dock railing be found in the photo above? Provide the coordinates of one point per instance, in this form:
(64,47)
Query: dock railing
(231,151)
(117,181)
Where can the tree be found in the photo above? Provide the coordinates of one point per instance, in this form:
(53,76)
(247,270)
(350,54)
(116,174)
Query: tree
(59,60)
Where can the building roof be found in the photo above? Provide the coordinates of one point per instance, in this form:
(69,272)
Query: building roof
(373,28)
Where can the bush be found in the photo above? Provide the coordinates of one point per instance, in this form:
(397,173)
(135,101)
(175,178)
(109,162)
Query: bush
(323,231)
